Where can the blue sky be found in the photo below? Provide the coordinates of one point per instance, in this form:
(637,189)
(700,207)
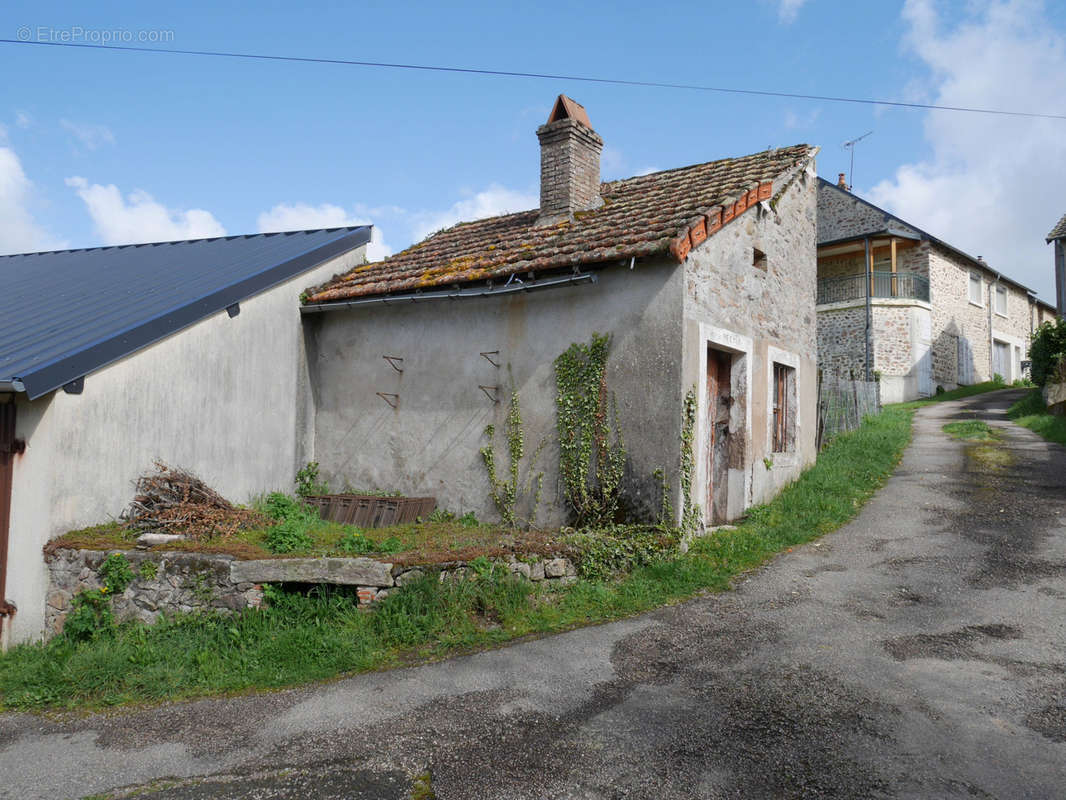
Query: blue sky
(101,147)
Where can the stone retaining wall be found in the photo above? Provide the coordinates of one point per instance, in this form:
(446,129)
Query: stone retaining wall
(179,582)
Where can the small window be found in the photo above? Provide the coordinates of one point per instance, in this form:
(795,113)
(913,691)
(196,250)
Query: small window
(784,421)
(975,288)
(759,259)
(1001,300)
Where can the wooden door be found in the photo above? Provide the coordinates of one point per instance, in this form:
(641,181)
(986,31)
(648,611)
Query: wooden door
(719,401)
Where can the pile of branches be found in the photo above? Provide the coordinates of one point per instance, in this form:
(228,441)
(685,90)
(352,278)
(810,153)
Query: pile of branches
(174,501)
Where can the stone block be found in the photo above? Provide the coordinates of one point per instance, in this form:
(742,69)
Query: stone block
(536,571)
(340,571)
(519,568)
(555,567)
(409,576)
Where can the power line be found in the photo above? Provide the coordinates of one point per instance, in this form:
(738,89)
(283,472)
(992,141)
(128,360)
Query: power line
(541,75)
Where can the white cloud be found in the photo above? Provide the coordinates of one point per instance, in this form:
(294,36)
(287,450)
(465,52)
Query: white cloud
(802,121)
(787,10)
(89,134)
(300,216)
(139,217)
(490,202)
(19,232)
(22,119)
(992,186)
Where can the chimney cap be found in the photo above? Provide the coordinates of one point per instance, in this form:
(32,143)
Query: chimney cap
(565,108)
(840,181)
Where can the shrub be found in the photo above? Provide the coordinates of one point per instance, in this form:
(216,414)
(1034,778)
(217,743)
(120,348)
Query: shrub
(618,548)
(307,482)
(89,616)
(1046,350)
(288,537)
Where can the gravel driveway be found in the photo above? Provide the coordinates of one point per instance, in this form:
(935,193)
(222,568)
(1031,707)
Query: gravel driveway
(917,652)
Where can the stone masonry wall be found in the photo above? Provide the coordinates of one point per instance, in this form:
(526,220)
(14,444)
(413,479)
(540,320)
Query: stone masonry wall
(892,340)
(177,582)
(842,341)
(170,583)
(841,215)
(955,317)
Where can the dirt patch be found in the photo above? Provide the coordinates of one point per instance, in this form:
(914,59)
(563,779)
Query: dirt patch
(950,646)
(1050,721)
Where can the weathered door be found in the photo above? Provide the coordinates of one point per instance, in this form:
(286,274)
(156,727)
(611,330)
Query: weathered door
(719,401)
(1001,359)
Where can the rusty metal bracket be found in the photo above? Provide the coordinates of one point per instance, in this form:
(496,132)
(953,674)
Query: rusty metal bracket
(392,399)
(393,362)
(488,354)
(494,395)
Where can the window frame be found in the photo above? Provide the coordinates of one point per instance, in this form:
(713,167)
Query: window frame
(999,291)
(782,410)
(980,301)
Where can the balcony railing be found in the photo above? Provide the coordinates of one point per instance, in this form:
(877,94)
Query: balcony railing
(905,285)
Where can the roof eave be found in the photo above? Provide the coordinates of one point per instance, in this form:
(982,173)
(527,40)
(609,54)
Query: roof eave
(48,377)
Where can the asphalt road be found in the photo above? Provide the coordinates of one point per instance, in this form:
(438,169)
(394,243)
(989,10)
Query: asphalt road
(917,652)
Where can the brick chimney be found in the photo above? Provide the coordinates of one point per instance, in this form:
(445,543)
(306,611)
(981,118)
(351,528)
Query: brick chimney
(569,163)
(843,184)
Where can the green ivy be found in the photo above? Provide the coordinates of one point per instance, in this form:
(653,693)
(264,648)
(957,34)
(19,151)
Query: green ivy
(691,513)
(506,491)
(592,454)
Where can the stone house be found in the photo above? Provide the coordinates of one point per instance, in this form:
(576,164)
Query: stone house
(113,357)
(701,275)
(915,310)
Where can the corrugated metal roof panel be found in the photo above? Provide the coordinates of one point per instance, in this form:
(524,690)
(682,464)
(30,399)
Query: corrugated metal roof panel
(69,312)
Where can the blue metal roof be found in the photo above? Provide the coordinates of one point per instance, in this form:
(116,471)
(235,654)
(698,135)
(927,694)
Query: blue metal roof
(65,314)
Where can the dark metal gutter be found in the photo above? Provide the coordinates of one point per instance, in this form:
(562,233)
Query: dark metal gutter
(13,385)
(511,287)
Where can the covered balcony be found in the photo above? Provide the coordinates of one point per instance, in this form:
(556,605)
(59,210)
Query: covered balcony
(885,265)
(882,284)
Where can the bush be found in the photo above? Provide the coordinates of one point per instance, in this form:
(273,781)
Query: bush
(288,537)
(619,548)
(89,616)
(1046,350)
(307,482)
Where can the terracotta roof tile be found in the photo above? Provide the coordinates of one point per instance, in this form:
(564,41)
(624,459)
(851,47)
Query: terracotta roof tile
(669,211)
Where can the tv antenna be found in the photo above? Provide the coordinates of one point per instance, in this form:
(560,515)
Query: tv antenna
(850,145)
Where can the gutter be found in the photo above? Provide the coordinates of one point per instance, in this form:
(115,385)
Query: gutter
(13,385)
(513,285)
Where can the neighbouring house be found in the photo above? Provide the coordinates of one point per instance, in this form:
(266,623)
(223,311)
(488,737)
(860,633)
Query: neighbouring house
(703,277)
(1058,236)
(112,357)
(900,304)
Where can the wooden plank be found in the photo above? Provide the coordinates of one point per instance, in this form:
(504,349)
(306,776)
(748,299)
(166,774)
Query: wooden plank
(895,280)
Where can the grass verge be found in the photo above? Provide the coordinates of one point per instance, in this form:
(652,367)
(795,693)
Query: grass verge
(1030,412)
(956,394)
(974,430)
(303,638)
